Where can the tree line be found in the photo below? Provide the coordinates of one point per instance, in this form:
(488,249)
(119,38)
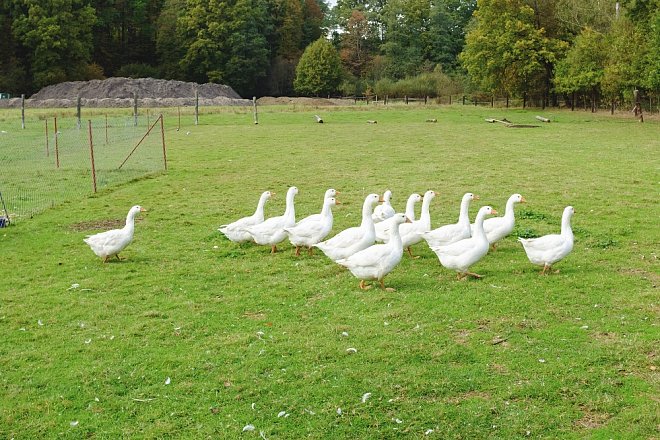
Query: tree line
(539,49)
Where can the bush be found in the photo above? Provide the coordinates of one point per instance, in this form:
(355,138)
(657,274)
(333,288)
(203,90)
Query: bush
(138,70)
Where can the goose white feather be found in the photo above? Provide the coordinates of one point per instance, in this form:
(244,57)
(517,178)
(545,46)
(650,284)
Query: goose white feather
(497,228)
(316,217)
(549,249)
(271,231)
(411,233)
(384,211)
(352,240)
(462,254)
(311,232)
(375,262)
(448,234)
(109,243)
(235,230)
(383,228)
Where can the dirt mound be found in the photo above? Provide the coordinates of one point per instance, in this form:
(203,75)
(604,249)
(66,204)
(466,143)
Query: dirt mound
(119,88)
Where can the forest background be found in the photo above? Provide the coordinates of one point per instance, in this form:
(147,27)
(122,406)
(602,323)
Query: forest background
(538,49)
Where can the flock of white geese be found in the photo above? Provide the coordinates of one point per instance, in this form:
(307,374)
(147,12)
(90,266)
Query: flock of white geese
(375,247)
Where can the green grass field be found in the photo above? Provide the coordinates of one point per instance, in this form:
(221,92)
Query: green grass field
(193,336)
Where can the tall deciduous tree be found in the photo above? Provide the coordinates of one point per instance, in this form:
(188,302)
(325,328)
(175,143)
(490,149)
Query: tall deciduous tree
(56,36)
(505,52)
(583,67)
(319,70)
(226,42)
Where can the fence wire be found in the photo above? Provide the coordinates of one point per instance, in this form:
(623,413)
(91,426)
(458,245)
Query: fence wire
(41,167)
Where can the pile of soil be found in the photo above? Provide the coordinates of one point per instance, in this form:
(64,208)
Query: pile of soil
(119,92)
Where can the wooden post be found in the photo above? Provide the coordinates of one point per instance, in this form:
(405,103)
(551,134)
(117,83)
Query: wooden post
(57,150)
(450,99)
(23,111)
(463,99)
(638,107)
(178,127)
(135,112)
(91,154)
(406,99)
(612,109)
(507,101)
(254,110)
(492,101)
(162,136)
(47,152)
(573,102)
(79,123)
(196,106)
(524,100)
(106,129)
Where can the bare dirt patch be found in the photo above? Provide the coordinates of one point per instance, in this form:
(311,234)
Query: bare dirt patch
(100,225)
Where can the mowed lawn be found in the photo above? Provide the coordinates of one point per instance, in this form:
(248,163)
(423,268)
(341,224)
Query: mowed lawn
(193,336)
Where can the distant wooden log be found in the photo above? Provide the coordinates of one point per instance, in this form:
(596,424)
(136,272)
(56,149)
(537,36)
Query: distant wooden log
(372,122)
(318,119)
(501,121)
(432,120)
(542,119)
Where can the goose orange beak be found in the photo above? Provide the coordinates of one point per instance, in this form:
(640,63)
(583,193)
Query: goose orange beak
(143,210)
(475,197)
(494,212)
(337,202)
(522,200)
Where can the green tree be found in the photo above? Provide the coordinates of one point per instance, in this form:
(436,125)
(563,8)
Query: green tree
(583,68)
(505,52)
(406,37)
(56,36)
(13,77)
(447,28)
(319,70)
(169,46)
(226,42)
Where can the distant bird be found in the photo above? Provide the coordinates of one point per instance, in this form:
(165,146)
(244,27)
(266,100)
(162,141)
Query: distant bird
(375,262)
(384,211)
(311,232)
(235,231)
(110,243)
(549,249)
(497,228)
(462,254)
(271,231)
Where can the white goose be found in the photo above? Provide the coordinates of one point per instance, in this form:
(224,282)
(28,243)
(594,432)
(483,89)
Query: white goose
(383,228)
(549,249)
(384,211)
(497,228)
(352,240)
(462,254)
(376,261)
(448,234)
(235,231)
(316,217)
(271,231)
(109,243)
(411,233)
(312,231)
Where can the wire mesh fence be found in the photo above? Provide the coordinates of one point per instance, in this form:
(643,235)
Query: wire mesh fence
(63,159)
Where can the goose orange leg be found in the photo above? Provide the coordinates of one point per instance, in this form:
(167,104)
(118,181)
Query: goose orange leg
(273,249)
(363,286)
(297,251)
